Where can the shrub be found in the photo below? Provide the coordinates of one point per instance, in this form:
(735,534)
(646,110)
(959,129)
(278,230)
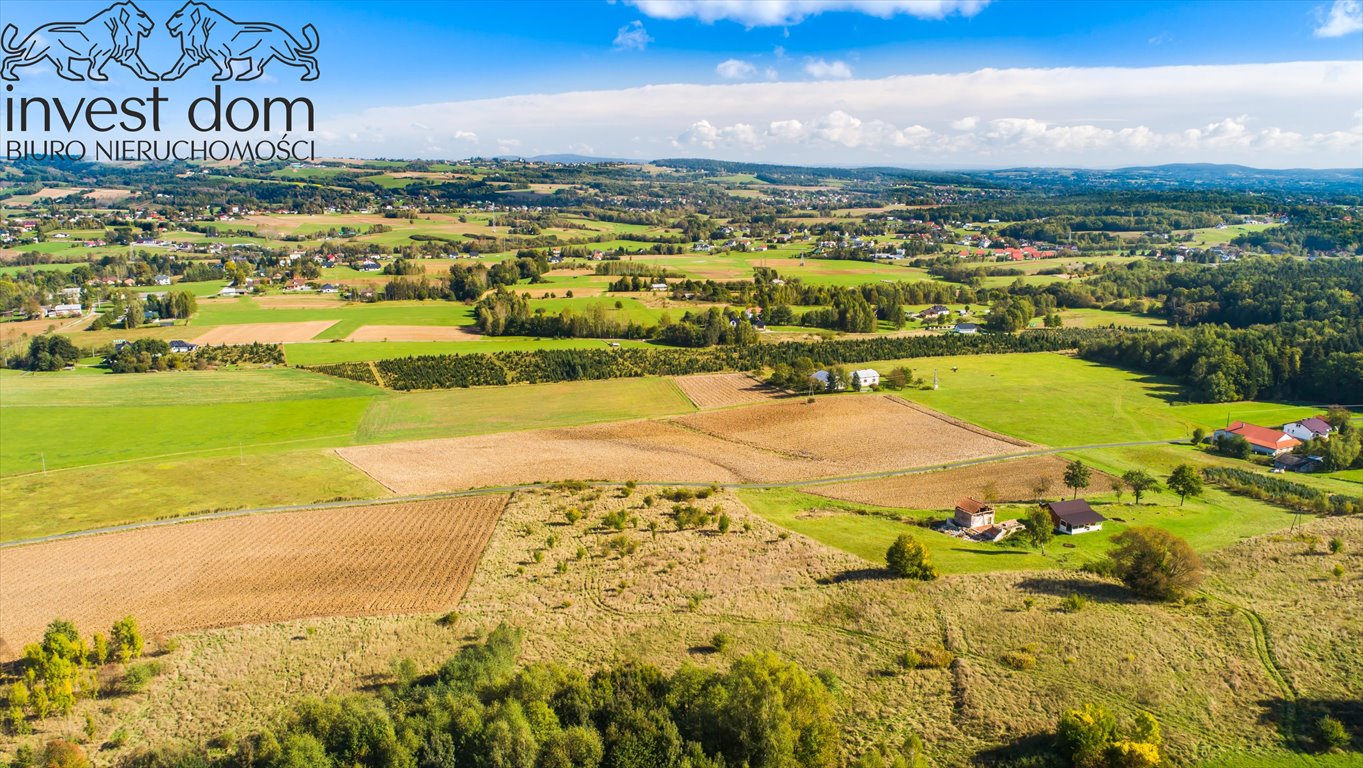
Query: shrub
(1155,563)
(910,659)
(1074,603)
(138,676)
(909,559)
(1332,733)
(1336,545)
(1019,660)
(934,657)
(720,641)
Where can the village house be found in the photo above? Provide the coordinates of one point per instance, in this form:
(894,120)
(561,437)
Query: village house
(163,279)
(1074,517)
(182,347)
(865,379)
(972,514)
(1262,440)
(966,328)
(61,310)
(1308,429)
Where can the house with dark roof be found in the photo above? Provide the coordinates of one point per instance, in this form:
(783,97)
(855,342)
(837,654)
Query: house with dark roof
(1291,462)
(182,347)
(1075,516)
(971,513)
(1308,429)
(1269,442)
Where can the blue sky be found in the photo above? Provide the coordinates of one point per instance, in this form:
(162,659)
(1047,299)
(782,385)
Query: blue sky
(964,83)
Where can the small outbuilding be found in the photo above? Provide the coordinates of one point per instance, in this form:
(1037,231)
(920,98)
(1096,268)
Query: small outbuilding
(865,379)
(971,513)
(1074,517)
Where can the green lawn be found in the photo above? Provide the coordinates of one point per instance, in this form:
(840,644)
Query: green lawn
(478,410)
(348,317)
(1060,400)
(319,354)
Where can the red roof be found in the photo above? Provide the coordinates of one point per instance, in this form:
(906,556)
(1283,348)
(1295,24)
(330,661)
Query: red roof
(1262,436)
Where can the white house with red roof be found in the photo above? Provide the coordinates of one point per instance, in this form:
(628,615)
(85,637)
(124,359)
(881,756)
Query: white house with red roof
(1269,442)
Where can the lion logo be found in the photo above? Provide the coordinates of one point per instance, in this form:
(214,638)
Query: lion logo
(113,34)
(209,35)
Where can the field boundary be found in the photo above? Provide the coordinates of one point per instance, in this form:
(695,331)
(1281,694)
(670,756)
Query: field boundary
(955,422)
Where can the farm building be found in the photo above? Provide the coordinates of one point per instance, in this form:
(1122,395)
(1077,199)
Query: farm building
(972,514)
(1073,517)
(163,279)
(1293,463)
(865,378)
(61,310)
(182,347)
(1308,429)
(823,377)
(1269,442)
(967,328)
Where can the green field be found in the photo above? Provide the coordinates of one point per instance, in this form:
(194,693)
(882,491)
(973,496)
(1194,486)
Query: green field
(1059,400)
(348,317)
(339,352)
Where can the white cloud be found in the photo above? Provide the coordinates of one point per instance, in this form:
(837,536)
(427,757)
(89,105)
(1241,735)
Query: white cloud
(1295,114)
(632,36)
(466,136)
(827,70)
(1345,18)
(775,13)
(735,69)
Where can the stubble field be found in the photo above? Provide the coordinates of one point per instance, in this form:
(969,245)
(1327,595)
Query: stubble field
(1003,481)
(355,561)
(766,443)
(264,333)
(719,390)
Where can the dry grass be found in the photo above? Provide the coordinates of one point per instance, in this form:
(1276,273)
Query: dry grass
(718,390)
(264,333)
(1002,481)
(592,596)
(397,558)
(767,443)
(298,301)
(413,333)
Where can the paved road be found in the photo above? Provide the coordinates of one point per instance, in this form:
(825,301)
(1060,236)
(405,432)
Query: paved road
(531,486)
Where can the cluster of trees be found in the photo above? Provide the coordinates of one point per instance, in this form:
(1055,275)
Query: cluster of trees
(1320,361)
(907,558)
(1283,492)
(60,669)
(172,304)
(548,365)
(48,352)
(467,283)
(1091,738)
(145,355)
(481,709)
(708,328)
(507,313)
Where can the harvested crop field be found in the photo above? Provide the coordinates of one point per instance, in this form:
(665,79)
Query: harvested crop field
(1013,480)
(413,333)
(355,561)
(717,390)
(264,333)
(765,443)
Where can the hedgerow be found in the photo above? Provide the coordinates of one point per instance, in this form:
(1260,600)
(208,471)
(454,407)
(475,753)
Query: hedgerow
(550,365)
(1283,492)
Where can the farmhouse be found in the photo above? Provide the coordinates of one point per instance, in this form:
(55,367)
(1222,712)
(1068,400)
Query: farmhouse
(163,279)
(1308,429)
(1269,442)
(824,377)
(967,328)
(61,310)
(182,347)
(972,514)
(865,378)
(1074,517)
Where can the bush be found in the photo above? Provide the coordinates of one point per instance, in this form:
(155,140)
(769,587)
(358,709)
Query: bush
(1332,733)
(1155,563)
(1019,660)
(1074,603)
(138,676)
(909,559)
(934,657)
(720,642)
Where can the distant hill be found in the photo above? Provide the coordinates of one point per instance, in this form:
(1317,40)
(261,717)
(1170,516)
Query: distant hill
(1188,176)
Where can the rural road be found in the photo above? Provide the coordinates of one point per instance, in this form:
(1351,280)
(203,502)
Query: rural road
(538,485)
